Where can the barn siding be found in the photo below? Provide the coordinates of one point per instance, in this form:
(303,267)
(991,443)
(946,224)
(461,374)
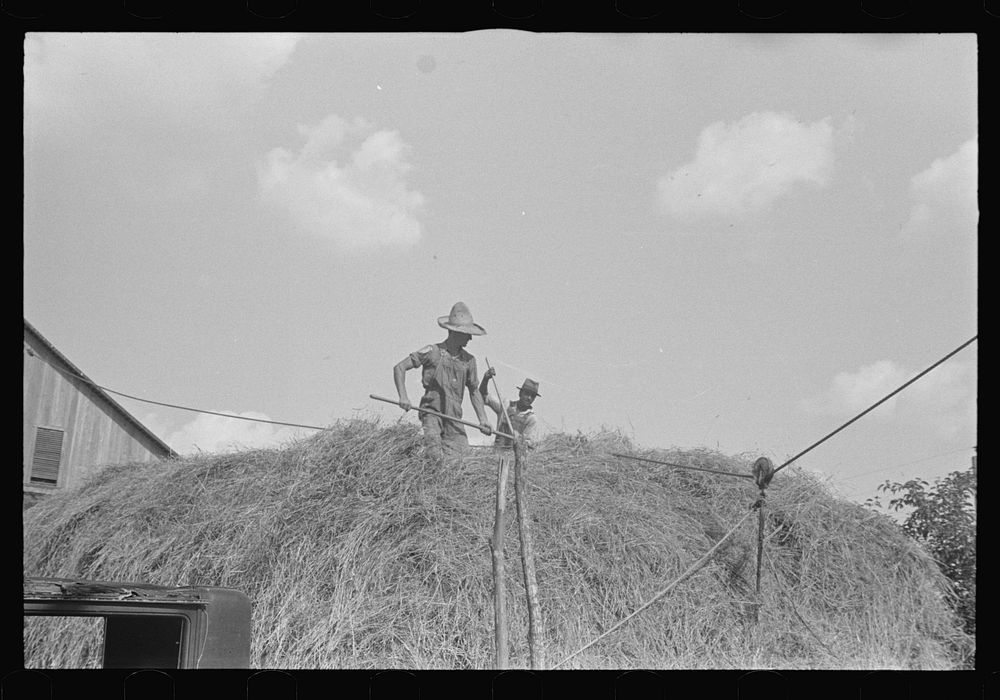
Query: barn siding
(98,439)
(96,433)
(32,373)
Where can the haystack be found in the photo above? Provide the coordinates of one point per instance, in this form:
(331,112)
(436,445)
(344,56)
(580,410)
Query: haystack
(359,553)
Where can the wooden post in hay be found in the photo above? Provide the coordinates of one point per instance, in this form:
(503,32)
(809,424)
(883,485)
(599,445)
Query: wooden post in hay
(499,525)
(499,596)
(763,472)
(536,637)
(760,554)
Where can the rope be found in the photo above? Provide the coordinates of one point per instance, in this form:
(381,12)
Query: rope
(877,403)
(684,466)
(186,408)
(668,464)
(691,570)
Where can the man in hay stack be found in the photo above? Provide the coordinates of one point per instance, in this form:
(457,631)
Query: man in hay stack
(522,416)
(447,370)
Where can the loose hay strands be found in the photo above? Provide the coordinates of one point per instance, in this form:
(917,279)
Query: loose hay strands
(357,552)
(673,584)
(795,610)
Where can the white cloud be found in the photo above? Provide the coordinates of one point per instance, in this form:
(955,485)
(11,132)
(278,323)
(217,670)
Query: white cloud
(346,184)
(945,397)
(943,400)
(212,433)
(95,81)
(854,391)
(945,194)
(746,166)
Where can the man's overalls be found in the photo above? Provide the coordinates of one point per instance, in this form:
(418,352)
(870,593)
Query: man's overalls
(444,378)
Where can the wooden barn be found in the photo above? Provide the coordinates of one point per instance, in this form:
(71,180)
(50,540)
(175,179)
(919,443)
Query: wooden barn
(71,427)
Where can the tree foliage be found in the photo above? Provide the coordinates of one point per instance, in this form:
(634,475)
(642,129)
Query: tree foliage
(942,517)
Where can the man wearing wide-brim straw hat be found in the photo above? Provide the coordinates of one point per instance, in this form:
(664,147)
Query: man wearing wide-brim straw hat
(520,412)
(447,370)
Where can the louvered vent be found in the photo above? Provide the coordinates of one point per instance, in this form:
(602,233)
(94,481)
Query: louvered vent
(48,452)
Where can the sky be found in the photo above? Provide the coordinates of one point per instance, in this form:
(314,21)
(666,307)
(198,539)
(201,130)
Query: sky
(731,242)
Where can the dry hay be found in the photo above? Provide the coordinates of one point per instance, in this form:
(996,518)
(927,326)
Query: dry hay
(359,553)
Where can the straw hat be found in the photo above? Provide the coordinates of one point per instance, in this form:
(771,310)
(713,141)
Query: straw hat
(460,320)
(531,386)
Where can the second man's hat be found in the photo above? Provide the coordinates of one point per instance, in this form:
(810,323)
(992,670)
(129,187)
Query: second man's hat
(531,386)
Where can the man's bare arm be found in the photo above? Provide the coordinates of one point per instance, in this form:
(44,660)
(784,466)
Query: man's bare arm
(477,399)
(399,379)
(484,387)
(479,407)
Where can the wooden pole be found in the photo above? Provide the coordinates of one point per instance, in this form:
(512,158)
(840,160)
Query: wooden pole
(435,413)
(763,471)
(760,554)
(536,637)
(499,526)
(503,404)
(499,595)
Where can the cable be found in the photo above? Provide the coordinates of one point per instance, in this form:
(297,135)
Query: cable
(195,410)
(690,570)
(684,466)
(876,404)
(785,464)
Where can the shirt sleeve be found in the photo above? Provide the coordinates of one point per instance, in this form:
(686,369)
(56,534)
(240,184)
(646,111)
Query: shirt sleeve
(530,430)
(419,357)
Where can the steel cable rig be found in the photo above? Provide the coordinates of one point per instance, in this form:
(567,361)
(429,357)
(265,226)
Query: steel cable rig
(761,471)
